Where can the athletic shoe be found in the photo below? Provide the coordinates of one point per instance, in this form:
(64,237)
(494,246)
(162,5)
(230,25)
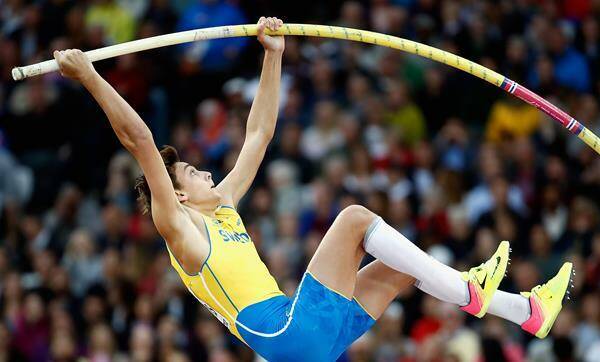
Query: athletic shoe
(546,301)
(483,280)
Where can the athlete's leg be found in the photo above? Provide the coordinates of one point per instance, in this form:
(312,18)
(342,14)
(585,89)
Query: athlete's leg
(338,257)
(443,282)
(336,262)
(377,285)
(397,252)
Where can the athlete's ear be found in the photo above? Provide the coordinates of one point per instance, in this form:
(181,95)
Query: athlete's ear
(181,196)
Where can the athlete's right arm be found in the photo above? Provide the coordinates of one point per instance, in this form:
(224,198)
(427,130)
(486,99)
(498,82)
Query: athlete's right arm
(135,136)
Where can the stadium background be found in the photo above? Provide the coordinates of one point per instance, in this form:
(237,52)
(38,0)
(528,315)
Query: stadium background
(450,161)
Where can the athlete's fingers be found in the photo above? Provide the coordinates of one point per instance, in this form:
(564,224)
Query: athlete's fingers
(272,24)
(267,22)
(59,59)
(57,56)
(60,56)
(78,54)
(260,29)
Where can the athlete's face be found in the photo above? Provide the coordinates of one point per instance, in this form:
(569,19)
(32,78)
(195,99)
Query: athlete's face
(197,188)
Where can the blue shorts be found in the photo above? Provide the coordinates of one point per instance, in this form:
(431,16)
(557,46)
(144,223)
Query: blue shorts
(323,324)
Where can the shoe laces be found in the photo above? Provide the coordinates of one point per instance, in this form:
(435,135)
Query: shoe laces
(479,272)
(543,291)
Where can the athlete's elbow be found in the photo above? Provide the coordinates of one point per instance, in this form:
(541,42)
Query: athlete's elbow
(137,140)
(143,136)
(260,136)
(267,135)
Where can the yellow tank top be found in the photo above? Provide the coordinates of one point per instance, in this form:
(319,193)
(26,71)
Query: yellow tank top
(233,276)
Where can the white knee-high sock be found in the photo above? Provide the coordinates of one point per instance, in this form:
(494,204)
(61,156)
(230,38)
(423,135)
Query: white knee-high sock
(434,278)
(513,307)
(396,251)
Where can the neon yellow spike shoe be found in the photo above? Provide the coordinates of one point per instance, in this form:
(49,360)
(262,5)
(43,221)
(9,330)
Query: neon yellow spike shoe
(483,280)
(546,301)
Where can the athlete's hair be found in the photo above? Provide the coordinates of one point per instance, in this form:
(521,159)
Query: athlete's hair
(170,158)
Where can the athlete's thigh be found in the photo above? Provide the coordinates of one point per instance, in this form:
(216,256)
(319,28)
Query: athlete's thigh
(377,285)
(338,257)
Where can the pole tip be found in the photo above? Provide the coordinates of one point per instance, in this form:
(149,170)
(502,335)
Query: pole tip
(17,73)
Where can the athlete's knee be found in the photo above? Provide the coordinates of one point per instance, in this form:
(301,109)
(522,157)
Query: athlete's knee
(358,217)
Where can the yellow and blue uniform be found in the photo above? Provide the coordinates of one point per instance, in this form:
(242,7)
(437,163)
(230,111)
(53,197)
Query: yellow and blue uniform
(316,324)
(234,275)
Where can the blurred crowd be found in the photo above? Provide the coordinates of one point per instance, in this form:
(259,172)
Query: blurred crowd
(447,159)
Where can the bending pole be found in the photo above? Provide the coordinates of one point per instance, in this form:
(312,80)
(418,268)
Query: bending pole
(325,31)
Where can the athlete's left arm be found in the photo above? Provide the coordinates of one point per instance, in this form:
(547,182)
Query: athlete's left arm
(261,121)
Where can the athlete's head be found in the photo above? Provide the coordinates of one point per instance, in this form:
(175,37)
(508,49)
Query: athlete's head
(193,187)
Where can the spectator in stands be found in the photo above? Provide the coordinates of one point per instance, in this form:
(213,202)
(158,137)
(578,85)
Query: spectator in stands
(117,23)
(215,55)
